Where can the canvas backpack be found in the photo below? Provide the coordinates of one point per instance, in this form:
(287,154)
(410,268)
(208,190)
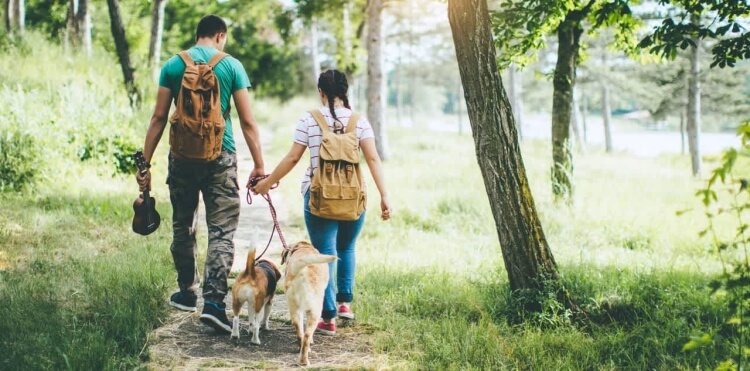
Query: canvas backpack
(337,190)
(198,124)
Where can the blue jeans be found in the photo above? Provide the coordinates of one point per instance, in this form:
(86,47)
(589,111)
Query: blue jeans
(333,237)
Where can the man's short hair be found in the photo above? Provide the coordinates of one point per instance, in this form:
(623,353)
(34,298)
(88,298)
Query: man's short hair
(209,26)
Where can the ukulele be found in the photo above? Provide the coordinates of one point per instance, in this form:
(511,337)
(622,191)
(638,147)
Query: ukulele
(146,218)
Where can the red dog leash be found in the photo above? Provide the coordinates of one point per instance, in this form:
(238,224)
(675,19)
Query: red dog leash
(267,197)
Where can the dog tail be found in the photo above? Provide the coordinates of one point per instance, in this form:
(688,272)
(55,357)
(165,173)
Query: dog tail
(306,260)
(250,265)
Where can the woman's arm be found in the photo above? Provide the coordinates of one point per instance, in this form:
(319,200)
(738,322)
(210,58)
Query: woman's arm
(376,169)
(282,169)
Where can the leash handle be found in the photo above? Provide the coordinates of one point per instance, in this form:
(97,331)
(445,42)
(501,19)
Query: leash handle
(253,182)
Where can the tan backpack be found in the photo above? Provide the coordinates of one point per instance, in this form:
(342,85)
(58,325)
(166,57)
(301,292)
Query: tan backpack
(337,191)
(198,124)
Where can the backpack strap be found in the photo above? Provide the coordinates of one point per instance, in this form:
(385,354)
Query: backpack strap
(186,58)
(320,120)
(216,59)
(352,124)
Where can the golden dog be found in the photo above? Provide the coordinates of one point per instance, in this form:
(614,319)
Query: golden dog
(305,284)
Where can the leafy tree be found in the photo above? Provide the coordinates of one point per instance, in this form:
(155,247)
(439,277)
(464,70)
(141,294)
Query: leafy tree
(520,28)
(528,259)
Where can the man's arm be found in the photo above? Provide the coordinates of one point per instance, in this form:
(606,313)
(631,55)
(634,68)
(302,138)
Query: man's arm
(155,131)
(249,129)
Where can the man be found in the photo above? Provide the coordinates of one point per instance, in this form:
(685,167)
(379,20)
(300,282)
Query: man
(216,180)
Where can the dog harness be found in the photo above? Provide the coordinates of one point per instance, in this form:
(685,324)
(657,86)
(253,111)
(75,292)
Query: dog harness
(270,274)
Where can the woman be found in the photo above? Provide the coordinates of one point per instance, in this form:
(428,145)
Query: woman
(330,236)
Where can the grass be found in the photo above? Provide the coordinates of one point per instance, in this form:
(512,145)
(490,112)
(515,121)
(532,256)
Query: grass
(83,292)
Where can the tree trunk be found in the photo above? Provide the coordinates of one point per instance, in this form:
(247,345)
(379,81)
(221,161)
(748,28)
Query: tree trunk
(528,259)
(375,83)
(8,15)
(123,52)
(514,80)
(584,116)
(576,121)
(78,29)
(459,106)
(83,21)
(157,29)
(315,55)
(682,130)
(399,89)
(606,118)
(72,34)
(349,63)
(694,107)
(568,34)
(20,15)
(606,108)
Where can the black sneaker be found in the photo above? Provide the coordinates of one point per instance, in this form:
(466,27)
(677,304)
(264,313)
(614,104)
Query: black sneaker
(183,300)
(215,315)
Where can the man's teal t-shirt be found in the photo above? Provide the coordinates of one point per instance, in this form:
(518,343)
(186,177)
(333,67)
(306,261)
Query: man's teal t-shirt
(229,72)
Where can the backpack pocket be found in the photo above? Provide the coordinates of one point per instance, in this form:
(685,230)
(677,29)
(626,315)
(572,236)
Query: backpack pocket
(196,140)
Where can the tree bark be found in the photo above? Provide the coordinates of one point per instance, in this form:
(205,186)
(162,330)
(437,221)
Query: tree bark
(682,130)
(528,259)
(515,88)
(78,28)
(607,118)
(459,106)
(375,83)
(72,34)
(123,52)
(315,55)
(20,15)
(83,18)
(157,29)
(694,106)
(8,16)
(576,121)
(584,116)
(568,34)
(606,108)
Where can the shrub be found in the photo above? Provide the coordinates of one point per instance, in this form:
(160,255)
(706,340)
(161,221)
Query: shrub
(19,160)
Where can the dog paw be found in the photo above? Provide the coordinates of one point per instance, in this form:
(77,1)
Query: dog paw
(256,342)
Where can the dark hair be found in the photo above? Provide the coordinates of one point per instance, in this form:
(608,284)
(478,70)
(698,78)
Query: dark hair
(334,85)
(209,26)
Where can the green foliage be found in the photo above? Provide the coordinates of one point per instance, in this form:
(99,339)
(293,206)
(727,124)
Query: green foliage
(520,27)
(260,38)
(69,121)
(726,198)
(703,19)
(19,160)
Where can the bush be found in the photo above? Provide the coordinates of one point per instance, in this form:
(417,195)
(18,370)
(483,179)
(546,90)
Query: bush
(19,160)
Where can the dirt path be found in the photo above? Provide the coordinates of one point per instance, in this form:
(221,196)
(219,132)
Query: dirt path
(184,343)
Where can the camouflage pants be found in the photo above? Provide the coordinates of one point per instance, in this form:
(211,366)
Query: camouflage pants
(217,182)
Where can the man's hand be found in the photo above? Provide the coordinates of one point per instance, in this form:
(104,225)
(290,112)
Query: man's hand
(256,173)
(144,180)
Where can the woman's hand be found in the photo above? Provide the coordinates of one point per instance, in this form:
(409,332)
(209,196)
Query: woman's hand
(262,188)
(385,208)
